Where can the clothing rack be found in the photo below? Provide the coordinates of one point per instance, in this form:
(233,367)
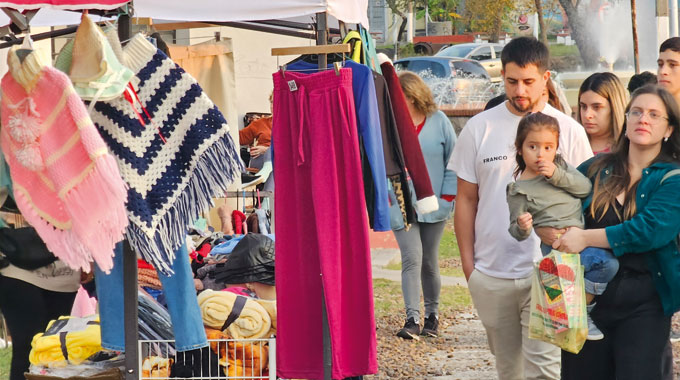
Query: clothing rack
(20,24)
(322,49)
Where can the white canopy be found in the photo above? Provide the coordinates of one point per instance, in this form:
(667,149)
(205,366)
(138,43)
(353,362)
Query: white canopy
(349,11)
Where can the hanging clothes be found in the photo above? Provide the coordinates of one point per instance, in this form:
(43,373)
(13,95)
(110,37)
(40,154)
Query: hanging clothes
(173,149)
(372,155)
(413,155)
(395,167)
(66,184)
(322,246)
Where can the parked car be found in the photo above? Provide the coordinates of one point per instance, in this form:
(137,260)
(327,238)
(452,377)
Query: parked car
(442,67)
(454,81)
(489,55)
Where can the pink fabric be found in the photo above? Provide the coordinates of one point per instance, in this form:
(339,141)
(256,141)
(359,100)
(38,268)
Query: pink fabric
(68,186)
(63,4)
(83,305)
(322,245)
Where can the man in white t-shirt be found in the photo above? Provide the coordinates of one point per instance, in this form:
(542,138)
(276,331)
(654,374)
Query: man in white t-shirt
(498,267)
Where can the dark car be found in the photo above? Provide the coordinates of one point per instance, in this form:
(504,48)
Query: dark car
(442,67)
(454,81)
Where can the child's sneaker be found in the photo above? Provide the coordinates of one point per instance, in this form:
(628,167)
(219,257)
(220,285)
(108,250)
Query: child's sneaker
(593,332)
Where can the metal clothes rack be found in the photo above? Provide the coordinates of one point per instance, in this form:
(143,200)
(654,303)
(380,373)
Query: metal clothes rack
(322,49)
(20,24)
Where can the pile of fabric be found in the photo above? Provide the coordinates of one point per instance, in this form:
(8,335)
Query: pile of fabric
(252,260)
(67,340)
(237,316)
(156,367)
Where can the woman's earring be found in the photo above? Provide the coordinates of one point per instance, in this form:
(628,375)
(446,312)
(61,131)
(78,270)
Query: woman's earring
(665,139)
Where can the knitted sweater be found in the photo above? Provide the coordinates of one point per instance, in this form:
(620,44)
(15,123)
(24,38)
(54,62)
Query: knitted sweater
(65,182)
(174,164)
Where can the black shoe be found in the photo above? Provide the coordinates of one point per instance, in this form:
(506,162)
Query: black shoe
(431,326)
(410,330)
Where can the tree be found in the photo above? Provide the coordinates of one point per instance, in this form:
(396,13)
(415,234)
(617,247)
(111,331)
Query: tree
(577,23)
(543,8)
(401,8)
(541,21)
(487,16)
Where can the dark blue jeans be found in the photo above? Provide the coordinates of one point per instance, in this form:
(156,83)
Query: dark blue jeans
(599,264)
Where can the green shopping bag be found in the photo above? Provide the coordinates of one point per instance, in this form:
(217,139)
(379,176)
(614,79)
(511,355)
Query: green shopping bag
(558,302)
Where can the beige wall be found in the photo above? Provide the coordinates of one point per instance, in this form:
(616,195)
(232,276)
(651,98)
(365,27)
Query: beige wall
(253,62)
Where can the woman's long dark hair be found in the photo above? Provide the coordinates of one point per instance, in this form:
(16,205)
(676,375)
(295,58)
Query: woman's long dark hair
(605,192)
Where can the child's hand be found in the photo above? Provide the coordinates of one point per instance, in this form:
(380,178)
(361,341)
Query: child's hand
(525,221)
(546,168)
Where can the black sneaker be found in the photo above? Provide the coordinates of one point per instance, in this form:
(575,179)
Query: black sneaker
(410,330)
(431,326)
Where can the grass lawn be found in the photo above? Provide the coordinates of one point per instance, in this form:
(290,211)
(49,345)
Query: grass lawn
(5,357)
(388,299)
(562,50)
(449,256)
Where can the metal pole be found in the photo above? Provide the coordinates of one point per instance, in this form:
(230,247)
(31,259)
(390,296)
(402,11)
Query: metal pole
(673,18)
(129,268)
(636,53)
(321,39)
(427,16)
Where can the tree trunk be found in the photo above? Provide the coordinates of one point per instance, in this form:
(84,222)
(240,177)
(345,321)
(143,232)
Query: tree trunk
(541,21)
(402,28)
(496,31)
(636,53)
(589,52)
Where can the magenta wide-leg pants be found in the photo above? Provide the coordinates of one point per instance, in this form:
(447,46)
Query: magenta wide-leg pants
(322,245)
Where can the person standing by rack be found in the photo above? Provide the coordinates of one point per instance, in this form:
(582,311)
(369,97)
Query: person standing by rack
(419,242)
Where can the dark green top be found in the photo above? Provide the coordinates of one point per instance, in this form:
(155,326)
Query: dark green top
(654,228)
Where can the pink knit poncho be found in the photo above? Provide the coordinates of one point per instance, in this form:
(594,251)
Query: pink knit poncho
(66,184)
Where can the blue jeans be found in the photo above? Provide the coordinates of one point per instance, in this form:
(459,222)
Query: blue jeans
(180,295)
(599,264)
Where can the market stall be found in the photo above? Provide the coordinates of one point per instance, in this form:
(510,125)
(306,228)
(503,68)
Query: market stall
(350,12)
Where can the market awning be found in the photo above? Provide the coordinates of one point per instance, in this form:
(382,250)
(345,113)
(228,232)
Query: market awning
(63,4)
(349,11)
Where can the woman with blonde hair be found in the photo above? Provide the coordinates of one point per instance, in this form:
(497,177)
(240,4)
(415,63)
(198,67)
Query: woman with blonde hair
(602,101)
(419,242)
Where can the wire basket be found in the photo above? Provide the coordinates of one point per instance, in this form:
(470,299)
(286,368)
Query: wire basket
(231,359)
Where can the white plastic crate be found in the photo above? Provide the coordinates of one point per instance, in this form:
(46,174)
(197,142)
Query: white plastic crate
(235,366)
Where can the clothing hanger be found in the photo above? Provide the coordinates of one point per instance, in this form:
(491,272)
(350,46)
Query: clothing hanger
(331,52)
(26,48)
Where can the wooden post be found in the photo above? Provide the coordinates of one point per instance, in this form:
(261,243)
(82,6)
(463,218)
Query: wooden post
(636,53)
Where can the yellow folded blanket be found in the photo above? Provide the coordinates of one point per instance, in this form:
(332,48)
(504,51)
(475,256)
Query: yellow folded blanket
(253,321)
(78,338)
(270,306)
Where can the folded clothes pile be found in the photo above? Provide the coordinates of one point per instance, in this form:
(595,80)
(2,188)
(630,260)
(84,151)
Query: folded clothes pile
(252,260)
(67,340)
(237,316)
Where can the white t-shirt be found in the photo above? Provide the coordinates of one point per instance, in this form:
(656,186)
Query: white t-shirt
(485,155)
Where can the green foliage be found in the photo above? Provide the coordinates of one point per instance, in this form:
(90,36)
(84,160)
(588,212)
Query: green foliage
(440,10)
(5,359)
(560,50)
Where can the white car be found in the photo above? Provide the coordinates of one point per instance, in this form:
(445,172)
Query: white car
(489,55)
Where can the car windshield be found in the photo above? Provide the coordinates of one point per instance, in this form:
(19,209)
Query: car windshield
(456,51)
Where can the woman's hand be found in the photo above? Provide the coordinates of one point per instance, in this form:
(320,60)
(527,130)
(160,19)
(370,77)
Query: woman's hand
(573,241)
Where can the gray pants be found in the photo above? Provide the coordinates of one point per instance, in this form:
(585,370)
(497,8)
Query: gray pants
(419,248)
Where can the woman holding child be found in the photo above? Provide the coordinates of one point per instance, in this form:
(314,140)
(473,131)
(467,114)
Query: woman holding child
(633,210)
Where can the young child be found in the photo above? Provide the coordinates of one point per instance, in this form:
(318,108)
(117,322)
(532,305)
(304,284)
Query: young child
(546,193)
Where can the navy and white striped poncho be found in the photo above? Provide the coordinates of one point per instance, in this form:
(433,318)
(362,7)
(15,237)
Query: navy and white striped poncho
(170,182)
